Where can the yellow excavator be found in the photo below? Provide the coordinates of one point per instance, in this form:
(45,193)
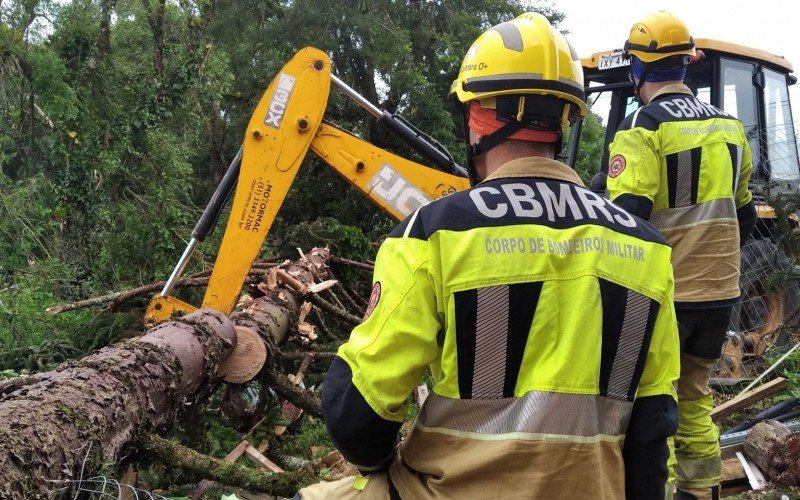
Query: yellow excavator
(287,123)
(752,85)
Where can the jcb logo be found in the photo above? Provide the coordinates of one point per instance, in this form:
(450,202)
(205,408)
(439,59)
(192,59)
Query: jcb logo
(277,106)
(396,191)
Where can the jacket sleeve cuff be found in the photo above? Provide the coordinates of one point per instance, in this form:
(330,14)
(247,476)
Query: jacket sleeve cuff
(747,217)
(653,420)
(364,438)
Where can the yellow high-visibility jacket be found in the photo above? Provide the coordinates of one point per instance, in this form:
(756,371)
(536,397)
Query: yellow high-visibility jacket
(690,163)
(545,315)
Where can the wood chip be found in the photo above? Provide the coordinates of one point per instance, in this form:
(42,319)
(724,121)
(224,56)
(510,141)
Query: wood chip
(332,458)
(257,458)
(421,393)
(318,287)
(305,308)
(307,330)
(272,279)
(304,328)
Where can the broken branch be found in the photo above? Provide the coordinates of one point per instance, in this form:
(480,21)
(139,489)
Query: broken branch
(296,395)
(174,454)
(352,263)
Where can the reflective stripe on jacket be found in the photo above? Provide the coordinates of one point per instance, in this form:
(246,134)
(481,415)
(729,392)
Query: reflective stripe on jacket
(692,161)
(543,312)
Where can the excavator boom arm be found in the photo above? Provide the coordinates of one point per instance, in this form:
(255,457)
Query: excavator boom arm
(397,185)
(285,124)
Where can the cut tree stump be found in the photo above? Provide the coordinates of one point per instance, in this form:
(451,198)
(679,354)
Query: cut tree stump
(760,442)
(247,359)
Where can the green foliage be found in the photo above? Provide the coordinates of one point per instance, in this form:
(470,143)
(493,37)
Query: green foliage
(48,77)
(116,127)
(789,367)
(220,437)
(344,241)
(27,222)
(784,229)
(33,340)
(153,201)
(313,433)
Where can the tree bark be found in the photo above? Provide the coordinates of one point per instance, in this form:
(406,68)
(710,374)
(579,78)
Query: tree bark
(59,425)
(104,40)
(94,408)
(776,451)
(762,438)
(297,395)
(155,18)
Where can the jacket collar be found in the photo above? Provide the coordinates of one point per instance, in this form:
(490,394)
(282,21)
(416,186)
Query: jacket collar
(536,166)
(672,88)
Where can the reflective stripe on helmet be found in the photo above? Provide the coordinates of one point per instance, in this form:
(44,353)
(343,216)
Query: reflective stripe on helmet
(522,83)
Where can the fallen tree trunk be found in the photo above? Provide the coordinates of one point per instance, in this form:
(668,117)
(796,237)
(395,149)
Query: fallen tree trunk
(59,425)
(95,407)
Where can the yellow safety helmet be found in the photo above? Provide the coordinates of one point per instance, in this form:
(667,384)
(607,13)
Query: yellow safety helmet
(658,36)
(524,56)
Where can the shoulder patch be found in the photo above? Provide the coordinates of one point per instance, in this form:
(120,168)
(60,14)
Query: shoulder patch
(374,297)
(616,166)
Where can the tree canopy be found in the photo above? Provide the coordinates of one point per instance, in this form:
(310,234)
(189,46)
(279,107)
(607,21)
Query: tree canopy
(119,117)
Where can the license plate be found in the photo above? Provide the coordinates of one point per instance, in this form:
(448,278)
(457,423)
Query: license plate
(612,61)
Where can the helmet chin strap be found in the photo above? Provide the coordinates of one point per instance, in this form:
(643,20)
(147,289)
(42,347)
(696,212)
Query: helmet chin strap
(472,172)
(544,114)
(488,142)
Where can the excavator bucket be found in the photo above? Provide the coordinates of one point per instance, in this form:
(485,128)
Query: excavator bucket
(275,143)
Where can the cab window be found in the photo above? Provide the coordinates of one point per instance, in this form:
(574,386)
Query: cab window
(779,129)
(739,99)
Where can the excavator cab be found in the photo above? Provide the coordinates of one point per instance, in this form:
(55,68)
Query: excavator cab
(752,85)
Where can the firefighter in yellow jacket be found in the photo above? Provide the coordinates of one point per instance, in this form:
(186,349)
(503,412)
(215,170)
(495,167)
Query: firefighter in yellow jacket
(684,165)
(543,311)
